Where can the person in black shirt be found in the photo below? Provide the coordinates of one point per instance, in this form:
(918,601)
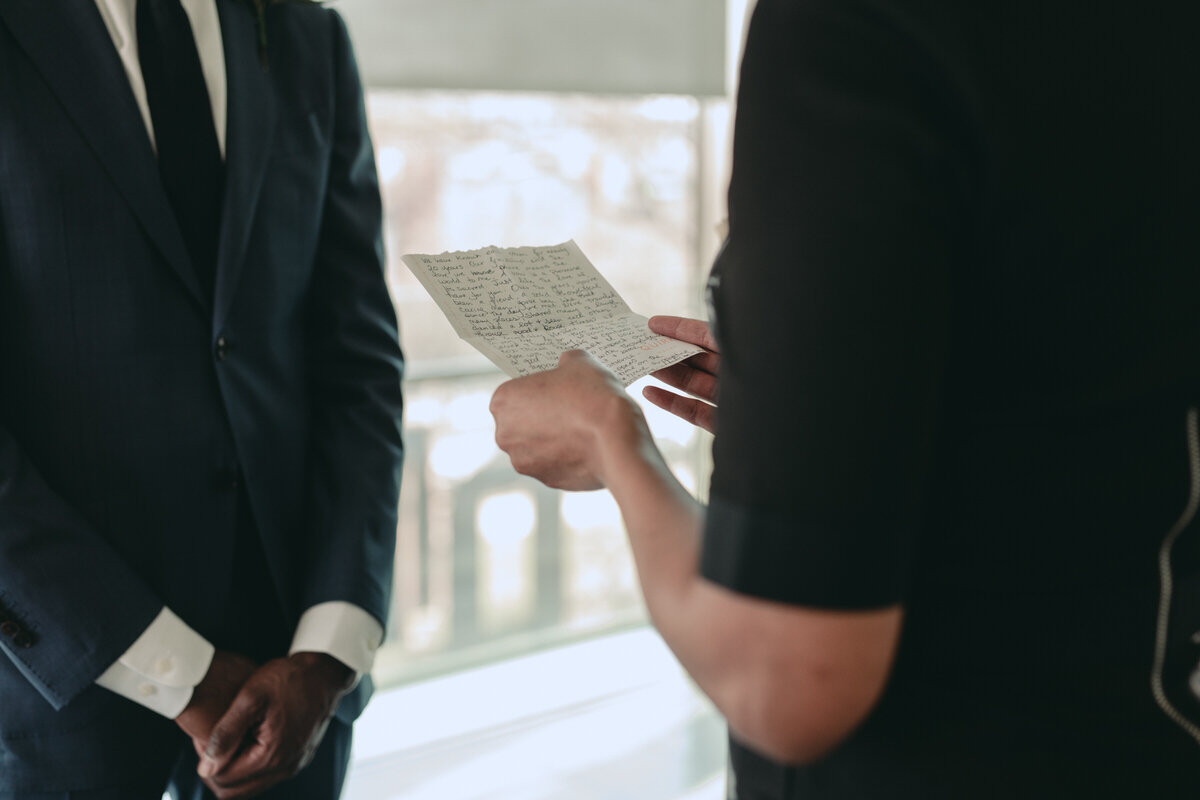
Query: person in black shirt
(951,546)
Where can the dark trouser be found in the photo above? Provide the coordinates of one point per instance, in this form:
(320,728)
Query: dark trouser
(320,780)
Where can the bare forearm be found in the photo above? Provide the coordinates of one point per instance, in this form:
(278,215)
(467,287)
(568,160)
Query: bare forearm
(789,680)
(662,519)
(665,525)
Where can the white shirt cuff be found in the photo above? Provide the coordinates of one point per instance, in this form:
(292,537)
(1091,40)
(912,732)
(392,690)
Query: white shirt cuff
(161,668)
(342,630)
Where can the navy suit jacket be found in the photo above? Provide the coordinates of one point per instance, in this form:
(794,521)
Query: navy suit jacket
(131,405)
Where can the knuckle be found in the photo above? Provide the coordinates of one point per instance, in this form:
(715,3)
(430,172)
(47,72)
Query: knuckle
(258,703)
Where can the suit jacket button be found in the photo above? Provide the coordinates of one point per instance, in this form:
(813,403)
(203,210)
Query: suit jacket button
(23,640)
(222,348)
(9,628)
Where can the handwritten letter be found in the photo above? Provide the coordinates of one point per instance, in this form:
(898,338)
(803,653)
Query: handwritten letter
(523,306)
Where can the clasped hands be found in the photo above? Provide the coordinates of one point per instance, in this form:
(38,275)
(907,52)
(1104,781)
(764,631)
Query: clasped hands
(559,425)
(254,726)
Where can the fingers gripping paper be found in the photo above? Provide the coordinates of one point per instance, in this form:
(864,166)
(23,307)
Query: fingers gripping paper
(523,306)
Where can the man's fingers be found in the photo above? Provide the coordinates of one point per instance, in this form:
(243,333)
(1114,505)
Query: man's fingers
(693,381)
(259,784)
(231,730)
(258,767)
(250,764)
(699,413)
(692,331)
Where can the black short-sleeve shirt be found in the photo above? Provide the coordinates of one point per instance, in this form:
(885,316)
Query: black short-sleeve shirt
(959,316)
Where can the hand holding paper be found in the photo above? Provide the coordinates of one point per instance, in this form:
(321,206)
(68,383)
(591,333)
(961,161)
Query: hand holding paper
(523,306)
(696,376)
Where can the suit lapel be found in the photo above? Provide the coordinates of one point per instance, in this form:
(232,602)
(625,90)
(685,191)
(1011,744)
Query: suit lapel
(249,133)
(69,44)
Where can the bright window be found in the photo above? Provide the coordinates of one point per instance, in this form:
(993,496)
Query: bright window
(490,564)
(517,656)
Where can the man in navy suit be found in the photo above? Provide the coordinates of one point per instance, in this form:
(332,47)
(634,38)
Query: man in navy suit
(199,400)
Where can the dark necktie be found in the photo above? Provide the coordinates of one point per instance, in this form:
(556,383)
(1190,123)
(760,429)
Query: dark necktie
(189,157)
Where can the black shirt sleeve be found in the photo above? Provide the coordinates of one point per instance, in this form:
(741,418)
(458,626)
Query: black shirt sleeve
(849,202)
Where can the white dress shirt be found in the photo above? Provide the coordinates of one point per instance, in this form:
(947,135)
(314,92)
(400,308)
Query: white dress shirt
(169,659)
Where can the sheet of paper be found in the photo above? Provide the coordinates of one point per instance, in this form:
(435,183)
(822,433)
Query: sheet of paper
(523,306)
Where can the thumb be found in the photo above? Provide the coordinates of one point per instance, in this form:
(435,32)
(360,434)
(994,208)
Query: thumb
(231,730)
(570,356)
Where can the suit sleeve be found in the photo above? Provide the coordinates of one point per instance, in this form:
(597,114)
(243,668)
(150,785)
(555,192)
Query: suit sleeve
(355,369)
(60,641)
